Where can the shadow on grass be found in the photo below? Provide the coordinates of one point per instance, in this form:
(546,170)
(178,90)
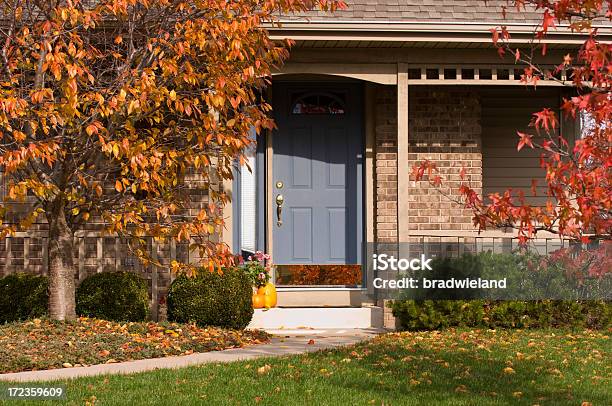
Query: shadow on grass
(415,373)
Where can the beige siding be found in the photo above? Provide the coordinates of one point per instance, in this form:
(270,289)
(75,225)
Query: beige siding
(504,111)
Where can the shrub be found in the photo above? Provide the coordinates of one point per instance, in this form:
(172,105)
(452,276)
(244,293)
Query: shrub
(212,299)
(530,279)
(438,314)
(23,296)
(118,296)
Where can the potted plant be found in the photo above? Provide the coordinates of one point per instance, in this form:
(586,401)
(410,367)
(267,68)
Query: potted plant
(258,268)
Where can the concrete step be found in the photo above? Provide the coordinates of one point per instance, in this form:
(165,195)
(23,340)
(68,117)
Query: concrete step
(318,317)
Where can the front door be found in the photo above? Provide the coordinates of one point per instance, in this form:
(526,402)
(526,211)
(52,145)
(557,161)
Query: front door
(317,174)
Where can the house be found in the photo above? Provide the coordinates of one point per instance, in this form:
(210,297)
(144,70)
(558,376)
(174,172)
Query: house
(367,93)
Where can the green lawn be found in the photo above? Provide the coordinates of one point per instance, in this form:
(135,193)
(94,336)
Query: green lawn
(454,367)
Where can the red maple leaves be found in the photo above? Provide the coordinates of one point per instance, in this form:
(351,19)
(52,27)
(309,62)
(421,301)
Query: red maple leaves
(578,175)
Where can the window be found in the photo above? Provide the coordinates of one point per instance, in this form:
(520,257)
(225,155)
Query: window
(587,123)
(248,202)
(318,103)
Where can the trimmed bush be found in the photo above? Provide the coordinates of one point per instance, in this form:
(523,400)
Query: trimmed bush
(23,296)
(530,277)
(211,299)
(438,314)
(118,296)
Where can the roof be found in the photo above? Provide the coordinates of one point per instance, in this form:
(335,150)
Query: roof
(433,11)
(466,21)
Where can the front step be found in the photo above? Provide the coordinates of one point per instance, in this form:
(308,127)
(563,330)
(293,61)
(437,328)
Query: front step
(318,317)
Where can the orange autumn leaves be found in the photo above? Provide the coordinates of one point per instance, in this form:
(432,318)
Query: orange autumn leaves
(120,111)
(44,344)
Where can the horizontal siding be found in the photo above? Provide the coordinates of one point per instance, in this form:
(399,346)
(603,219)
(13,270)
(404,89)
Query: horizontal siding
(504,112)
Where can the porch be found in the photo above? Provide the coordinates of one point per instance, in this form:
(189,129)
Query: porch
(463,114)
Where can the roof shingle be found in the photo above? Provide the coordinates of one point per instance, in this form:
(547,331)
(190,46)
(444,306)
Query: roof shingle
(434,11)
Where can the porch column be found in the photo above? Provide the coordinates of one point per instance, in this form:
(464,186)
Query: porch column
(402,154)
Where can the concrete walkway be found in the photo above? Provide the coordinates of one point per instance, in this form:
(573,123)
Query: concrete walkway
(284,342)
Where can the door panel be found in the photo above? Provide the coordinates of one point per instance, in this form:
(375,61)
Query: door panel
(301,158)
(336,156)
(318,160)
(337,221)
(301,219)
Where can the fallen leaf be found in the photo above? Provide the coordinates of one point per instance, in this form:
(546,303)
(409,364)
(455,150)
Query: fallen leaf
(509,371)
(264,370)
(461,389)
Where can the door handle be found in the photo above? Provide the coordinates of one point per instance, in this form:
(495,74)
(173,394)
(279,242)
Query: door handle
(279,210)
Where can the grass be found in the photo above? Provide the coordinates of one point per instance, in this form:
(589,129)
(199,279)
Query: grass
(47,344)
(453,367)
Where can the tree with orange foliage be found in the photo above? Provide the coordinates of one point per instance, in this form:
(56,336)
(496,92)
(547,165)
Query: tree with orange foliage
(578,172)
(107,105)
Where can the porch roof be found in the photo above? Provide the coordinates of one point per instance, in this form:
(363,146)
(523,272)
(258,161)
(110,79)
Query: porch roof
(439,11)
(416,21)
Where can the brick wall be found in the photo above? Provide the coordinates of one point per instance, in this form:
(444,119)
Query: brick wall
(444,127)
(385,173)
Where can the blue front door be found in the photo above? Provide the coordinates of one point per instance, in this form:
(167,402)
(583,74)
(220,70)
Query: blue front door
(317,174)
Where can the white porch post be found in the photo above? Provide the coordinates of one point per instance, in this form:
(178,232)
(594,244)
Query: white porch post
(402,155)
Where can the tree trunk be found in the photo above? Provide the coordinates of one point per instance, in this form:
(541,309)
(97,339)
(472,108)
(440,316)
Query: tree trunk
(62,302)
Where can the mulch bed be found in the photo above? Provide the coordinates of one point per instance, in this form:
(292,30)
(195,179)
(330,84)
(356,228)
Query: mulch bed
(46,344)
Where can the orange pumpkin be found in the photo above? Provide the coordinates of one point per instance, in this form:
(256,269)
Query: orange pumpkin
(258,301)
(269,292)
(269,301)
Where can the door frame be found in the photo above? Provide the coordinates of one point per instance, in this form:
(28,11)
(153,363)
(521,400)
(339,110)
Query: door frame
(265,158)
